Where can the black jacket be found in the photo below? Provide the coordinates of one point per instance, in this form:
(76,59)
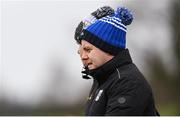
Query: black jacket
(119,88)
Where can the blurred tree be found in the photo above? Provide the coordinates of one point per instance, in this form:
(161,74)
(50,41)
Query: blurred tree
(176,42)
(165,84)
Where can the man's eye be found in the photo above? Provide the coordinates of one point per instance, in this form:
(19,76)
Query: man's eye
(87,49)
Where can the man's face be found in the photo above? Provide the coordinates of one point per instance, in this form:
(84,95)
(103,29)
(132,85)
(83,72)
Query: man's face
(91,56)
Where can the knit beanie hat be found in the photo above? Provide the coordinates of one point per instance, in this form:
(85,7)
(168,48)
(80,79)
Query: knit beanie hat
(105,29)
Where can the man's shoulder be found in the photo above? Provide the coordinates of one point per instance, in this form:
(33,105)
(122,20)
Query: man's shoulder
(128,77)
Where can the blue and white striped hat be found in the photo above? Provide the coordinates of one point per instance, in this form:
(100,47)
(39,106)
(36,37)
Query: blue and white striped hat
(109,32)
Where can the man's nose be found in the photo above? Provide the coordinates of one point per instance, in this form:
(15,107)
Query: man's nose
(84,56)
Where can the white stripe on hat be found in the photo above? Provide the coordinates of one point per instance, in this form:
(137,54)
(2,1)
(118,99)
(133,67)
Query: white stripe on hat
(121,28)
(115,19)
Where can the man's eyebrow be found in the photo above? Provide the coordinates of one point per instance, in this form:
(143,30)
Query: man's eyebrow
(87,46)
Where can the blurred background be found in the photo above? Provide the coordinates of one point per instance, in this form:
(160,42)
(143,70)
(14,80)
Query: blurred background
(40,68)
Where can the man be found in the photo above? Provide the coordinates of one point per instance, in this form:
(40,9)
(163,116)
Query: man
(118,88)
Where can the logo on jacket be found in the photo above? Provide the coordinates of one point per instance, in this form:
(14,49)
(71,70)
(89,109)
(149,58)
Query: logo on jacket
(98,95)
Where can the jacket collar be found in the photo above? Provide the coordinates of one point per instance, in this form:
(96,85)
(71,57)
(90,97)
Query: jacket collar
(102,73)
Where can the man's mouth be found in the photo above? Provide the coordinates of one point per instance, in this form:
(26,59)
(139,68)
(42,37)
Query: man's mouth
(89,64)
(86,65)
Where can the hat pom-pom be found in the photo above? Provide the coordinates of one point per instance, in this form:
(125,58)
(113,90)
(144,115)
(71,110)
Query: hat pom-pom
(125,15)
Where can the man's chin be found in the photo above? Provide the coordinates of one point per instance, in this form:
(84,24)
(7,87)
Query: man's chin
(91,67)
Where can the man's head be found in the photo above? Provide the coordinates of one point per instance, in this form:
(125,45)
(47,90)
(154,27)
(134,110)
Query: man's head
(105,33)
